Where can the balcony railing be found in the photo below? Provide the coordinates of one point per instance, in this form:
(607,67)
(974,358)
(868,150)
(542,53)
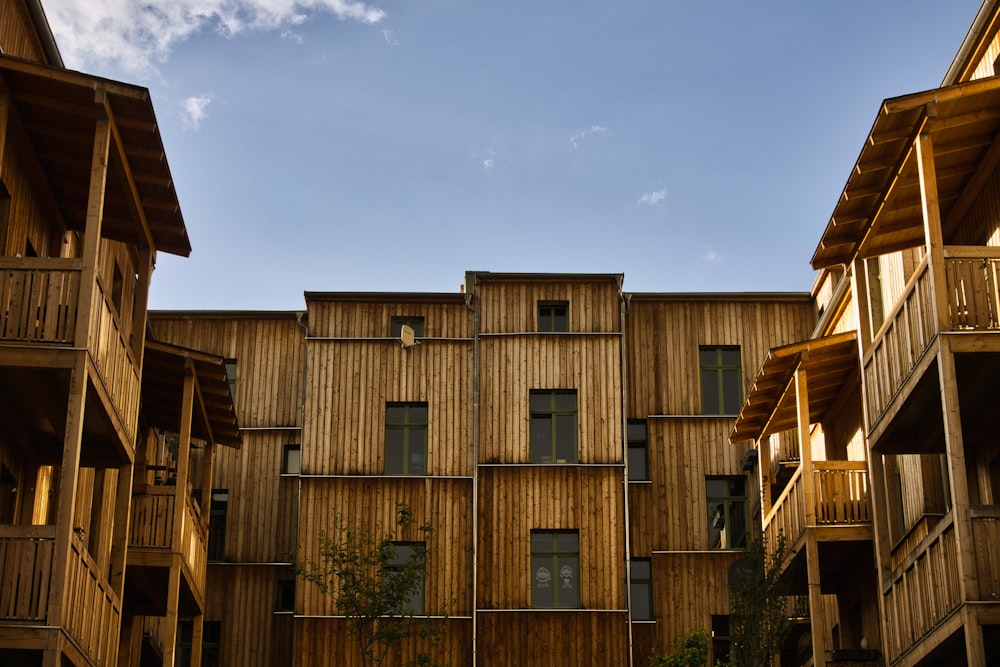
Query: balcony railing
(39,304)
(986,535)
(153,516)
(972,286)
(923,589)
(26,556)
(92,613)
(841,497)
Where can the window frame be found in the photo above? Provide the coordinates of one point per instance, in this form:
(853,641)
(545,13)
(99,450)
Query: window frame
(643,583)
(415,322)
(416,605)
(726,502)
(560,560)
(286,459)
(719,370)
(547,320)
(217,517)
(640,446)
(554,414)
(409,428)
(284,597)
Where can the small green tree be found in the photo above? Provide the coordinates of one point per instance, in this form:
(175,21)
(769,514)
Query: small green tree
(691,650)
(759,620)
(373,586)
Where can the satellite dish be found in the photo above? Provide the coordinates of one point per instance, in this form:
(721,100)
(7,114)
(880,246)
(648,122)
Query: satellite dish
(406,336)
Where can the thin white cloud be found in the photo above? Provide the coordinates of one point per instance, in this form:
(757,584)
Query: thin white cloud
(194,110)
(711,256)
(488,164)
(576,139)
(390,37)
(653,197)
(136,35)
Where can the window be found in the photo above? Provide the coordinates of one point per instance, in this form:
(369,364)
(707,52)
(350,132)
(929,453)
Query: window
(217,524)
(396,325)
(210,634)
(721,638)
(230,365)
(638,461)
(410,555)
(406,438)
(642,590)
(291,462)
(727,512)
(553,425)
(721,372)
(285,598)
(555,569)
(553,316)
(117,287)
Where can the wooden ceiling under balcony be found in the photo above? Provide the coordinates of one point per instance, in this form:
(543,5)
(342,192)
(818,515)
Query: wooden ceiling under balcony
(880,209)
(57,110)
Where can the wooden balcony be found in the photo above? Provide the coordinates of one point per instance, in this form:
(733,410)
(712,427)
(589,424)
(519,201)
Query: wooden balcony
(973,304)
(152,547)
(92,610)
(840,499)
(39,306)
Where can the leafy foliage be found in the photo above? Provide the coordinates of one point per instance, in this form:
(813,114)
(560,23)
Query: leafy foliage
(691,650)
(759,620)
(373,587)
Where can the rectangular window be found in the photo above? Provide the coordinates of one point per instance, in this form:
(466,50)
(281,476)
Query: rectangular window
(638,458)
(291,462)
(410,555)
(285,595)
(396,325)
(553,425)
(721,639)
(555,569)
(230,365)
(642,590)
(727,512)
(553,316)
(211,632)
(217,524)
(721,380)
(406,438)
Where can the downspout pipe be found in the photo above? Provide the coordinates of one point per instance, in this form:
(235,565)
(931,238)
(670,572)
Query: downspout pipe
(470,303)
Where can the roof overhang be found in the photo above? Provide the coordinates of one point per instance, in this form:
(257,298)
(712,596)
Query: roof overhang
(770,407)
(164,368)
(58,111)
(880,209)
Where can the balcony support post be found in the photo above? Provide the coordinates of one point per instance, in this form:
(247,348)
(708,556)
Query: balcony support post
(931,206)
(119,539)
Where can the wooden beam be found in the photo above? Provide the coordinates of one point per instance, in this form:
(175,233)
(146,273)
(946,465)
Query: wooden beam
(128,182)
(932,230)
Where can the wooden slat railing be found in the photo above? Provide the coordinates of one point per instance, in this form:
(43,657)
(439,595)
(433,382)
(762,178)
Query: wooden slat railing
(922,590)
(152,527)
(787,516)
(114,360)
(784,449)
(38,299)
(841,489)
(973,287)
(986,537)
(92,611)
(26,558)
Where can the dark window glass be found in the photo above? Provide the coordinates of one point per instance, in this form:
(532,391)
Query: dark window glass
(553,316)
(406,439)
(727,512)
(230,365)
(415,322)
(638,451)
(285,595)
(555,569)
(721,380)
(292,460)
(405,553)
(211,632)
(721,638)
(553,425)
(217,524)
(642,590)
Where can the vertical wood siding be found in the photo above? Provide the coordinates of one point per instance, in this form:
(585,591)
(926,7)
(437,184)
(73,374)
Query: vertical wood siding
(517,639)
(511,366)
(332,318)
(688,589)
(444,504)
(512,307)
(662,339)
(981,224)
(513,501)
(349,385)
(327,642)
(17,34)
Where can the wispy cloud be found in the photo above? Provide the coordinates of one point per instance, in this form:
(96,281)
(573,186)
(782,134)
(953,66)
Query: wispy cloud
(653,197)
(390,37)
(137,35)
(576,139)
(711,256)
(488,164)
(194,110)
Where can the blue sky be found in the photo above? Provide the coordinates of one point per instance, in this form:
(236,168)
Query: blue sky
(334,145)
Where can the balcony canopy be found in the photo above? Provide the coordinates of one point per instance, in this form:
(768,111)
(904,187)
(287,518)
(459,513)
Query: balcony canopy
(770,406)
(57,110)
(163,372)
(880,208)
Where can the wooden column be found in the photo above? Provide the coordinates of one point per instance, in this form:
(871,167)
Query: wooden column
(197,637)
(932,229)
(120,533)
(141,304)
(207,469)
(766,502)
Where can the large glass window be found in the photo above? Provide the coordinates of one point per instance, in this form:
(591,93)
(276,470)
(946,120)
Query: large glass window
(553,425)
(406,439)
(638,457)
(721,383)
(727,512)
(555,569)
(642,589)
(410,555)
(553,316)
